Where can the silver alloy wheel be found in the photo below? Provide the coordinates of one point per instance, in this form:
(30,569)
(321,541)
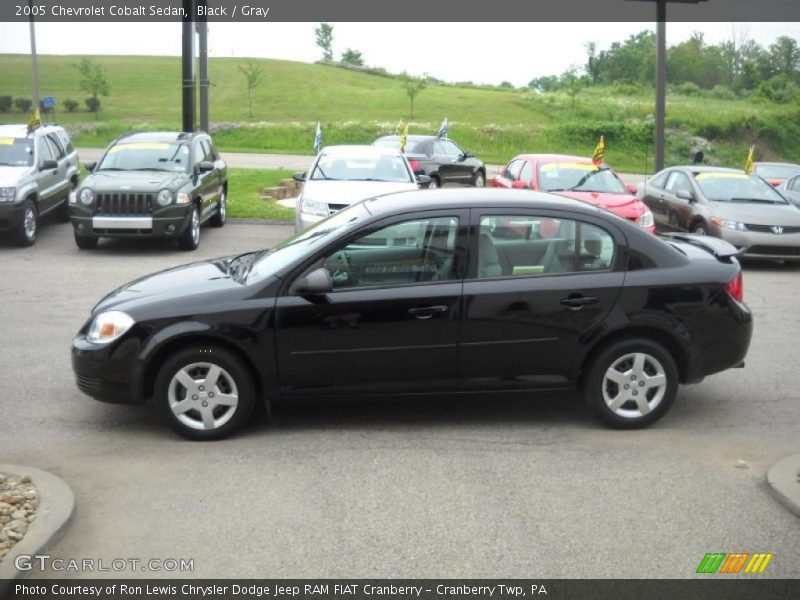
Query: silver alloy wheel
(699,230)
(433,184)
(222,207)
(30,223)
(634,385)
(479,180)
(195,227)
(203,396)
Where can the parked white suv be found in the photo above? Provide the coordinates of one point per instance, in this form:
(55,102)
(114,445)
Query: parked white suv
(38,170)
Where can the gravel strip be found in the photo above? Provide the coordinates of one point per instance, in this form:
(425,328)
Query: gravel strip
(19,501)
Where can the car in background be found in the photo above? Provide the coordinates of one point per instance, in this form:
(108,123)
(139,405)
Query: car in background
(742,209)
(791,190)
(411,293)
(152,185)
(575,177)
(444,161)
(38,170)
(343,175)
(776,173)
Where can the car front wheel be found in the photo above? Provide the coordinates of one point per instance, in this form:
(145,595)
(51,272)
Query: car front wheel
(218,220)
(190,238)
(434,184)
(205,393)
(632,383)
(28,228)
(479,180)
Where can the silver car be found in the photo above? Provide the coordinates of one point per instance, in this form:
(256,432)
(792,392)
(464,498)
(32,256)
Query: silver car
(791,189)
(343,175)
(742,209)
(38,171)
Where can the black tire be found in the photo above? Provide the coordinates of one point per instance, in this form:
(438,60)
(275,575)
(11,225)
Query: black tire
(601,392)
(700,228)
(86,242)
(27,230)
(234,380)
(218,220)
(479,179)
(435,183)
(190,237)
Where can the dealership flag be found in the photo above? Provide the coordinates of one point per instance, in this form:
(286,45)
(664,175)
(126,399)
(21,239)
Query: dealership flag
(599,152)
(403,139)
(443,129)
(399,129)
(318,139)
(748,166)
(35,121)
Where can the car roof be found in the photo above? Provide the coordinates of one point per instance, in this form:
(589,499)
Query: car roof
(555,158)
(154,136)
(775,164)
(353,150)
(446,198)
(410,138)
(16,130)
(706,169)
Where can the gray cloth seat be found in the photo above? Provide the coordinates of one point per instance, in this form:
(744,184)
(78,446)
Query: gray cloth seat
(488,258)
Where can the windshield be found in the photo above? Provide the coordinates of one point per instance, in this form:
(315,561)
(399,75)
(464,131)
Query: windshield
(147,156)
(777,171)
(578,177)
(737,187)
(304,243)
(362,167)
(16,152)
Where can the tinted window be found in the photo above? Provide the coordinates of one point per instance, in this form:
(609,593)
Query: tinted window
(16,152)
(526,174)
(513,169)
(515,245)
(438,148)
(580,177)
(208,151)
(43,150)
(452,150)
(147,156)
(418,251)
(55,146)
(736,187)
(66,143)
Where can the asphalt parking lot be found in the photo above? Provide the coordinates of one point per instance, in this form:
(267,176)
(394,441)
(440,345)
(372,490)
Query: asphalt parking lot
(482,487)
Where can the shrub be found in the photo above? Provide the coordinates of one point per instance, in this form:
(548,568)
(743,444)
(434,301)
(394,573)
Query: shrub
(93,104)
(23,104)
(721,92)
(779,89)
(688,88)
(5,103)
(70,105)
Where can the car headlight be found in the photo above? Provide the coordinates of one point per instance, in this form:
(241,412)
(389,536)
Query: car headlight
(183,198)
(312,207)
(108,326)
(729,224)
(164,197)
(7,194)
(646,219)
(86,196)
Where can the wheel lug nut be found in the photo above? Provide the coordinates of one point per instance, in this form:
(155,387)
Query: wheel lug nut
(203,389)
(205,403)
(633,378)
(627,386)
(635,393)
(210,394)
(641,383)
(194,397)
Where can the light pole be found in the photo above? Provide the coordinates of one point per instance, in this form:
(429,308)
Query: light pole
(187,65)
(34,60)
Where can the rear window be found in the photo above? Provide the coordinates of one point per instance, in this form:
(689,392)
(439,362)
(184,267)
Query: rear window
(16,152)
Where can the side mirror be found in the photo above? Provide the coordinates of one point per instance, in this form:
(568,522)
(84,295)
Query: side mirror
(631,188)
(317,282)
(90,166)
(519,185)
(419,172)
(204,166)
(299,176)
(47,165)
(423,181)
(469,154)
(685,195)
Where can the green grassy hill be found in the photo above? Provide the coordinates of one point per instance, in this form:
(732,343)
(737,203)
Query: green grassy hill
(356,107)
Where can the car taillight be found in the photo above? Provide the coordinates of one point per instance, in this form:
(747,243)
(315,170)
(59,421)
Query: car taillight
(414,164)
(735,287)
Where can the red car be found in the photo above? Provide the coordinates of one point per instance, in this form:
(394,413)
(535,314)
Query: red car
(576,177)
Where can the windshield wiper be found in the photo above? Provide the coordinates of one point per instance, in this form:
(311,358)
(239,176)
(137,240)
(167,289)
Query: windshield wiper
(756,200)
(151,169)
(240,266)
(111,169)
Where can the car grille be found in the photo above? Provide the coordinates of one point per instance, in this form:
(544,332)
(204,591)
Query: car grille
(124,204)
(332,208)
(768,228)
(90,384)
(775,250)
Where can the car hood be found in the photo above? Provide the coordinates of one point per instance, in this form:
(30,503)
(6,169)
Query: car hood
(758,214)
(179,283)
(10,176)
(138,181)
(350,192)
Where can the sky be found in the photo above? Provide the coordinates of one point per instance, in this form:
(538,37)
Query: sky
(478,52)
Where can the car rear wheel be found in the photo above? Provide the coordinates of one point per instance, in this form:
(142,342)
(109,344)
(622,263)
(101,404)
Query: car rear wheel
(700,229)
(28,227)
(218,220)
(479,180)
(632,383)
(86,242)
(435,183)
(205,393)
(190,238)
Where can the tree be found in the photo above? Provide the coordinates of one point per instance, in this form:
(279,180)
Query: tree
(324,36)
(5,103)
(70,105)
(572,83)
(93,82)
(546,83)
(352,57)
(784,56)
(254,75)
(413,86)
(592,68)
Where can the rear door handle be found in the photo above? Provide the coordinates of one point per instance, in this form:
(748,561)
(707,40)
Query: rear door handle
(426,312)
(578,301)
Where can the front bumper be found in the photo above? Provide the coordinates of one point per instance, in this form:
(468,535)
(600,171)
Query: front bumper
(304,221)
(109,373)
(755,244)
(130,226)
(11,214)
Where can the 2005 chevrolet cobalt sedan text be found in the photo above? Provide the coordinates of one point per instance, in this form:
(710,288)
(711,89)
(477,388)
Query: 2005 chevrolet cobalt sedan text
(439,292)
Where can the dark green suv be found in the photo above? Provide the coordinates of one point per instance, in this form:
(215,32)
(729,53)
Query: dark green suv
(156,184)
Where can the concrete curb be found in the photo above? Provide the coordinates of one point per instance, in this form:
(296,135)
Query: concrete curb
(784,482)
(57,504)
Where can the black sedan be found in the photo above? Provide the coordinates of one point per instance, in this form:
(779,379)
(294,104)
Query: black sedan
(426,293)
(442,160)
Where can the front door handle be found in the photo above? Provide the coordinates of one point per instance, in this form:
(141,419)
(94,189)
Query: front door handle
(426,312)
(578,301)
